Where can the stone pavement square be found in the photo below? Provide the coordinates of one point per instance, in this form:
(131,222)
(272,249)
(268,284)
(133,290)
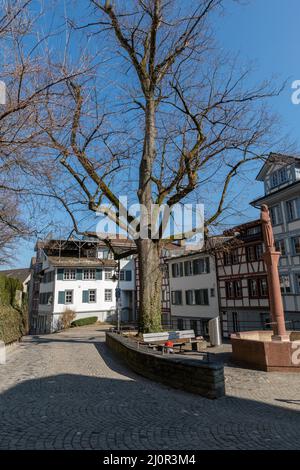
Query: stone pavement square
(66,391)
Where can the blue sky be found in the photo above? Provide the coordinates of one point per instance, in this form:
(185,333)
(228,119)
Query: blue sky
(267,33)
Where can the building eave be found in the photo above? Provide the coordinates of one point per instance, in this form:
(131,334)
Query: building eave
(268,197)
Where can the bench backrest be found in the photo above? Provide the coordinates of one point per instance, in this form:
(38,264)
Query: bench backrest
(168,335)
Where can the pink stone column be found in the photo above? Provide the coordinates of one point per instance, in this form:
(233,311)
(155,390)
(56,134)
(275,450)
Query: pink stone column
(271,259)
(276,307)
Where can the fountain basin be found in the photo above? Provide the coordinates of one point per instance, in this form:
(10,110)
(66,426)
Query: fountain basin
(257,350)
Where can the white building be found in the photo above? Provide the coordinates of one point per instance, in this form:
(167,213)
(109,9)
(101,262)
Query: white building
(281,177)
(81,276)
(194,291)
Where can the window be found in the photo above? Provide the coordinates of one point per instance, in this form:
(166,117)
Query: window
(280,246)
(282,175)
(238,291)
(69,274)
(251,253)
(253,288)
(275,214)
(197,297)
(108,274)
(254,230)
(254,252)
(297,280)
(296,245)
(234,289)
(212,292)
(291,210)
(201,297)
(108,295)
(190,297)
(46,298)
(92,295)
(235,256)
(229,289)
(180,324)
(176,297)
(201,266)
(274,179)
(177,270)
(125,275)
(68,297)
(227,258)
(188,268)
(285,286)
(263,287)
(89,274)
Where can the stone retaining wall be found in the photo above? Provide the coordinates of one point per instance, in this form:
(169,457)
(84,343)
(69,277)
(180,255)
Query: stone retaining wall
(192,375)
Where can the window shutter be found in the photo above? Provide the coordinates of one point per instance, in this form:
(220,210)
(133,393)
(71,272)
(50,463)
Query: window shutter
(85,296)
(128,276)
(98,274)
(61,297)
(79,274)
(60,275)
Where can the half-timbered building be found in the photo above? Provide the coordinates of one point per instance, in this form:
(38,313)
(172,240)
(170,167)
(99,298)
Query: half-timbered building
(242,280)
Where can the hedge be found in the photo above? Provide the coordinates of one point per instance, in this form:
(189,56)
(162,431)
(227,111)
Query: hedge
(8,288)
(11,324)
(84,321)
(13,319)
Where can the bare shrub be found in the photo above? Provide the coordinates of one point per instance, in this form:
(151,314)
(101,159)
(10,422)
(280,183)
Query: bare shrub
(66,319)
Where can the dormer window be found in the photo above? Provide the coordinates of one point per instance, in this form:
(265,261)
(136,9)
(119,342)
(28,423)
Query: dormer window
(274,179)
(282,175)
(279,177)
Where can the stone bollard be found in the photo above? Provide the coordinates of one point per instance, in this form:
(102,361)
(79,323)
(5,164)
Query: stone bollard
(2,353)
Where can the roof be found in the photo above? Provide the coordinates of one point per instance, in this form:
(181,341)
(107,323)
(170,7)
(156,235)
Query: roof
(75,262)
(276,158)
(21,273)
(56,243)
(242,227)
(211,244)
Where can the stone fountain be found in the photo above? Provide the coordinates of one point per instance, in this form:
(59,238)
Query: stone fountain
(276,350)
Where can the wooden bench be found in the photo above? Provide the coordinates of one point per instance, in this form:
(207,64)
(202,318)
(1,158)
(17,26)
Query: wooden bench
(179,338)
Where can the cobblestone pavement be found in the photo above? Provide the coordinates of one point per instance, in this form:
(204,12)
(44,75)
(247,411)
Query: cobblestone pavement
(66,391)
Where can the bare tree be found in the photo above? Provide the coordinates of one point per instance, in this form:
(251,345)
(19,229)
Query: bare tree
(170,121)
(30,69)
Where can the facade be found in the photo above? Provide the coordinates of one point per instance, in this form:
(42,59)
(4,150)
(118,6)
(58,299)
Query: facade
(81,276)
(242,280)
(193,291)
(281,177)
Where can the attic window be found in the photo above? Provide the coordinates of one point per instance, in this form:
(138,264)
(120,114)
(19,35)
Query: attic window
(279,177)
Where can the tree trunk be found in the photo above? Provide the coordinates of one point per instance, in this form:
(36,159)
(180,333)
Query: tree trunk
(148,249)
(150,277)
